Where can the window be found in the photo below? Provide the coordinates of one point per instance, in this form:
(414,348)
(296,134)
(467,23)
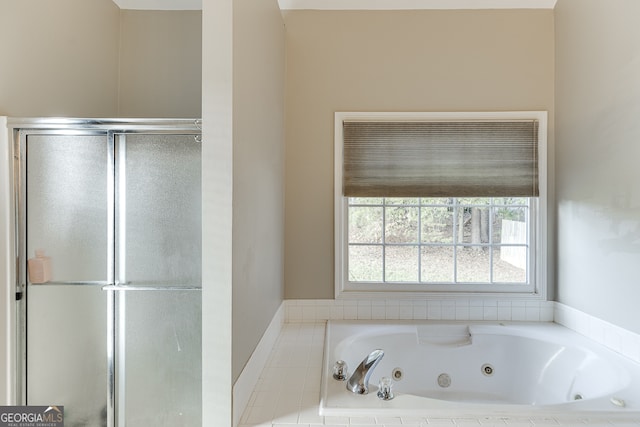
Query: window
(456,206)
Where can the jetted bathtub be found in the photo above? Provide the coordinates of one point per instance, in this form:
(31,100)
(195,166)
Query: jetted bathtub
(453,369)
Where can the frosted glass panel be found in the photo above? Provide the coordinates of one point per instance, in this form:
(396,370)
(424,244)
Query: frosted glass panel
(162,358)
(66,351)
(75,186)
(159,244)
(163,211)
(67,204)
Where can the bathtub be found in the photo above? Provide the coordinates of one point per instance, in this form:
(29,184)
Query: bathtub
(476,369)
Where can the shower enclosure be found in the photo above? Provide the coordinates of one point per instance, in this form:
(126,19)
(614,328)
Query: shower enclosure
(110,314)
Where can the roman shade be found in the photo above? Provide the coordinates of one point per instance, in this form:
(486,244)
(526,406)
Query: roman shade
(440,158)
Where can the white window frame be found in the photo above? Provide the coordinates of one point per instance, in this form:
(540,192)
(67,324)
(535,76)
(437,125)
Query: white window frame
(535,290)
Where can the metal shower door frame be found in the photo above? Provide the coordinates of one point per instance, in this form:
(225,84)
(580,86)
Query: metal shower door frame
(115,130)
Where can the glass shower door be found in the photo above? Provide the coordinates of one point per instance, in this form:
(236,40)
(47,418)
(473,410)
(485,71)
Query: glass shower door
(158,269)
(67,216)
(113,332)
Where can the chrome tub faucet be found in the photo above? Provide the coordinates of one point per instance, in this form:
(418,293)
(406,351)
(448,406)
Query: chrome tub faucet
(359,380)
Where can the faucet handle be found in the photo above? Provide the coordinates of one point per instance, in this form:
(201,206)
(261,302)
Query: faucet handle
(340,370)
(384,388)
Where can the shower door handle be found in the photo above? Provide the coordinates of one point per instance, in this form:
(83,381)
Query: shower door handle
(149,288)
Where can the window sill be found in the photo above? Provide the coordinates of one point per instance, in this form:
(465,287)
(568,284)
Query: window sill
(437,294)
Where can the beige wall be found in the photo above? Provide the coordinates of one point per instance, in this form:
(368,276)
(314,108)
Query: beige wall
(394,61)
(59,58)
(62,58)
(598,147)
(89,59)
(160,64)
(258,172)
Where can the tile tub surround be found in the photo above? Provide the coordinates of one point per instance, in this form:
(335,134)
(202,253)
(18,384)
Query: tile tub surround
(287,392)
(418,309)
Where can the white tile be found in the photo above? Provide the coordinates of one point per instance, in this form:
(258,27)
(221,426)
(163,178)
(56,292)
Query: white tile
(544,421)
(299,358)
(293,313)
(259,414)
(532,314)
(350,312)
(434,310)
(405,311)
(596,329)
(310,416)
(294,377)
(518,313)
(613,338)
(362,421)
(526,423)
(393,310)
(631,346)
(364,310)
(413,420)
(378,312)
(315,361)
(420,309)
(448,310)
(490,313)
(560,314)
(264,398)
(308,313)
(546,313)
(440,422)
(621,423)
(323,312)
(581,323)
(336,312)
(462,310)
(389,420)
(285,416)
(492,422)
(504,313)
(336,421)
(476,313)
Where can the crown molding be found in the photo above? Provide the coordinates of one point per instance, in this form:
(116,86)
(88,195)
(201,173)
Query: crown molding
(414,4)
(353,4)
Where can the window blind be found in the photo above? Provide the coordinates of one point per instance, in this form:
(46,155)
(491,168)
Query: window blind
(440,158)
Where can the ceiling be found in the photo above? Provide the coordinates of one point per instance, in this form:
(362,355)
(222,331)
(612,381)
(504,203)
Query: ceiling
(353,4)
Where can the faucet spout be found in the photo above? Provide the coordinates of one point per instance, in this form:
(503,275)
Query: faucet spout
(359,380)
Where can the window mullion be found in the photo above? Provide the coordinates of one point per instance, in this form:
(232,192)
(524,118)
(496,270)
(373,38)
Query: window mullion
(384,240)
(490,242)
(456,214)
(420,241)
